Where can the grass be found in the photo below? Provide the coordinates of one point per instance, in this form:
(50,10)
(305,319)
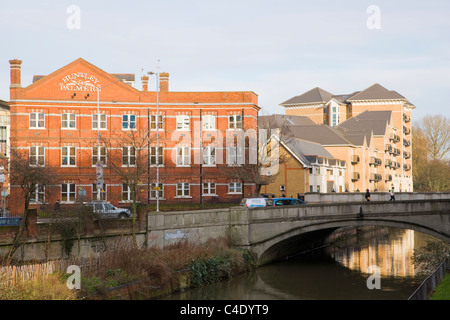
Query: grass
(442,291)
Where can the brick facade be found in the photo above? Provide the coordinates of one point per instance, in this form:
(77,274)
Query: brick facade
(56,118)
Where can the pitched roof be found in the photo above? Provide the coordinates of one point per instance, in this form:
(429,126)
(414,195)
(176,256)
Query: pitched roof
(282,120)
(376,121)
(319,133)
(377,92)
(316,95)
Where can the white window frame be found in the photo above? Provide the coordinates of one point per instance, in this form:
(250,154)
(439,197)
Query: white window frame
(70,194)
(68,156)
(209,156)
(128,123)
(235,156)
(37,120)
(95,122)
(183,190)
(183,122)
(38,194)
(126,190)
(209,189)
(183,156)
(68,121)
(233,187)
(153,118)
(38,153)
(153,192)
(209,122)
(233,122)
(102,194)
(126,154)
(99,153)
(153,156)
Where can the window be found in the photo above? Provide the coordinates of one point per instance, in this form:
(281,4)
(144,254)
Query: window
(68,121)
(37,195)
(334,115)
(99,154)
(318,188)
(99,121)
(183,189)
(209,122)
(209,188)
(153,156)
(128,121)
(37,120)
(153,120)
(183,156)
(209,156)
(128,156)
(182,122)
(37,156)
(95,192)
(154,192)
(126,192)
(311,189)
(68,193)
(235,155)
(235,121)
(235,187)
(68,156)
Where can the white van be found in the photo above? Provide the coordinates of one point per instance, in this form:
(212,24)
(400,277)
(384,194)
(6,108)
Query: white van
(256,202)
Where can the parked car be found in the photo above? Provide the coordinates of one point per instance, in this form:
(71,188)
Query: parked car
(107,210)
(256,202)
(287,202)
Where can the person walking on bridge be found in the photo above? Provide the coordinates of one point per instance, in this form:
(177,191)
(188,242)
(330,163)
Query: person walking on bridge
(367,195)
(391,193)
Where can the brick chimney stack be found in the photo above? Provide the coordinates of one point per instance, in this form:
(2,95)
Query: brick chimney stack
(15,73)
(144,83)
(164,82)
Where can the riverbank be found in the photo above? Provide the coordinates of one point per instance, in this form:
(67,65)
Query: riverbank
(130,273)
(442,290)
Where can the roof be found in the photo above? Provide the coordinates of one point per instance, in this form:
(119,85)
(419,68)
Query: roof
(124,76)
(319,133)
(376,121)
(282,120)
(377,92)
(316,95)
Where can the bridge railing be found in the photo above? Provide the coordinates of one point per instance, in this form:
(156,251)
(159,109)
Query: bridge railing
(374,196)
(430,283)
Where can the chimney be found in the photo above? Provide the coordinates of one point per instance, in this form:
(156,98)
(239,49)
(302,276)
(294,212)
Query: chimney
(15,73)
(164,82)
(144,83)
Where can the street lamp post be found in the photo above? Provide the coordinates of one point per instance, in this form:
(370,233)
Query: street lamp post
(157,137)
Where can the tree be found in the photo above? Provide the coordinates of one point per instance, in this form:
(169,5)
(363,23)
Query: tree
(27,174)
(436,129)
(128,161)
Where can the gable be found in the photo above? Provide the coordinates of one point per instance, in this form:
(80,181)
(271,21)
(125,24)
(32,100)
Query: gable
(79,80)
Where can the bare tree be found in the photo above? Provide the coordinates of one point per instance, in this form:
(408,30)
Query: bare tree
(436,129)
(28,174)
(128,161)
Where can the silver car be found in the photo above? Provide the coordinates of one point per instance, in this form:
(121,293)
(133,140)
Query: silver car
(107,210)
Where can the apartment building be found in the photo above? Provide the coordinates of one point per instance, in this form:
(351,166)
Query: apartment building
(370,129)
(63,120)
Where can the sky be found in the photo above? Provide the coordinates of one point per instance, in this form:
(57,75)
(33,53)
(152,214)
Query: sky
(277,49)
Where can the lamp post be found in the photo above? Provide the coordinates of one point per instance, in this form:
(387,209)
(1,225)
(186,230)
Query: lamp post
(157,137)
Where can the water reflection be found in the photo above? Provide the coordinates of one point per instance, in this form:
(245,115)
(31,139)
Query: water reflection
(337,272)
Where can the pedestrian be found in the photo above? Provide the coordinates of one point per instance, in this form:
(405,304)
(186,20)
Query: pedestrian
(367,195)
(391,193)
(57,207)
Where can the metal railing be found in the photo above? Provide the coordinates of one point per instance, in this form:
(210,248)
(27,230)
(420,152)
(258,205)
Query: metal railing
(429,284)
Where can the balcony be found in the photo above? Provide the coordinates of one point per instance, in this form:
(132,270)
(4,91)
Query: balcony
(388,178)
(396,152)
(406,167)
(374,161)
(406,143)
(394,138)
(375,177)
(406,130)
(387,163)
(406,154)
(388,148)
(355,176)
(406,118)
(355,159)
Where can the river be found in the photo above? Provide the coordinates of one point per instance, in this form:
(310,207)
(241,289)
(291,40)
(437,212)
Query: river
(338,271)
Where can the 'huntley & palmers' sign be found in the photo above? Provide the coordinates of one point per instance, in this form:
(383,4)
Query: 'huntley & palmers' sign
(79,81)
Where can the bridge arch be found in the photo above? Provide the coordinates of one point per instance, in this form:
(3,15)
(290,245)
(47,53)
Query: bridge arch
(311,236)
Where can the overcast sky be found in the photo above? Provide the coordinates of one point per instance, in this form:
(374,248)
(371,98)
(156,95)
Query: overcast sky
(278,49)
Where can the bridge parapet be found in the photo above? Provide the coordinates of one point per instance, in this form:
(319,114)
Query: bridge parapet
(374,196)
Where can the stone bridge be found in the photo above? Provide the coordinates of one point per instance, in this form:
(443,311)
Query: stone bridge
(272,233)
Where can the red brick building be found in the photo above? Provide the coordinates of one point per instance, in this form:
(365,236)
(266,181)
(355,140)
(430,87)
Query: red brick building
(56,120)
